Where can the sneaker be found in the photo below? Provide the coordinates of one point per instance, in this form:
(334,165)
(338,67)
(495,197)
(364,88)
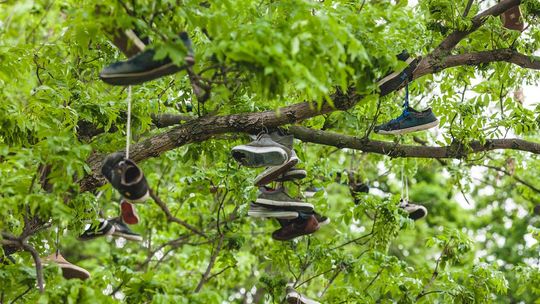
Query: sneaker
(128,213)
(512,19)
(277,198)
(409,121)
(122,230)
(260,211)
(126,177)
(69,271)
(292,174)
(143,67)
(323,220)
(415,212)
(294,297)
(103,228)
(263,151)
(272,173)
(295,228)
(392,82)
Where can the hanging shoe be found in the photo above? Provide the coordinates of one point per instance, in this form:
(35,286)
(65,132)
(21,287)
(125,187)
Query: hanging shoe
(277,198)
(103,228)
(537,209)
(311,191)
(143,67)
(512,20)
(409,121)
(275,172)
(69,271)
(126,177)
(256,210)
(129,213)
(292,174)
(394,80)
(295,228)
(323,220)
(263,151)
(122,230)
(294,297)
(415,211)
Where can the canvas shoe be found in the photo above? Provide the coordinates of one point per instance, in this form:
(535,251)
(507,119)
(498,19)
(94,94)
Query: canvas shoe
(292,174)
(512,19)
(277,198)
(122,230)
(128,213)
(126,177)
(103,228)
(294,297)
(394,80)
(409,121)
(275,172)
(69,271)
(143,67)
(295,228)
(263,151)
(261,211)
(415,211)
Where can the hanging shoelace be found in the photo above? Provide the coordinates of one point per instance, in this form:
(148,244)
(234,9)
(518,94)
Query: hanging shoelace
(128,124)
(404,187)
(406,104)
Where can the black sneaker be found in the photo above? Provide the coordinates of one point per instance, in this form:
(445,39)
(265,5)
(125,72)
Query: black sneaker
(294,297)
(122,230)
(103,228)
(415,211)
(126,177)
(143,67)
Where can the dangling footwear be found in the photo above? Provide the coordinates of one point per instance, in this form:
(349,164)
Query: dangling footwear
(264,151)
(143,67)
(409,121)
(256,210)
(295,228)
(323,220)
(103,228)
(122,230)
(292,174)
(294,297)
(415,211)
(512,20)
(129,213)
(394,80)
(126,177)
(69,271)
(275,172)
(277,198)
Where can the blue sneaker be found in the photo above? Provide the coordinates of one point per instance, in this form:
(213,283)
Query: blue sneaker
(409,121)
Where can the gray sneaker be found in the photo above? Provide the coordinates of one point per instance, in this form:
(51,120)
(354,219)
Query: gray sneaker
(415,212)
(294,297)
(292,174)
(279,199)
(263,151)
(261,211)
(274,172)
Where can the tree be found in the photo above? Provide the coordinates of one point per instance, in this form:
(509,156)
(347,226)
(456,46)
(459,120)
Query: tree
(310,67)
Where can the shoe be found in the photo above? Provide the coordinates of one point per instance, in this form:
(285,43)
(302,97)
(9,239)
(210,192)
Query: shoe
(263,151)
(415,212)
(300,226)
(292,174)
(311,191)
(277,198)
(511,19)
(126,177)
(92,231)
(409,121)
(69,271)
(294,297)
(128,213)
(392,81)
(272,173)
(143,67)
(260,211)
(122,230)
(323,220)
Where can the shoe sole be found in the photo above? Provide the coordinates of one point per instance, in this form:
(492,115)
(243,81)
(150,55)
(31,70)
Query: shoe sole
(294,236)
(393,75)
(259,156)
(419,213)
(292,206)
(129,213)
(286,215)
(70,271)
(123,79)
(297,298)
(411,129)
(269,175)
(292,175)
(130,237)
(139,200)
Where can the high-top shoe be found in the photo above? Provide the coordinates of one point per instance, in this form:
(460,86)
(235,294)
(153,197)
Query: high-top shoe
(126,177)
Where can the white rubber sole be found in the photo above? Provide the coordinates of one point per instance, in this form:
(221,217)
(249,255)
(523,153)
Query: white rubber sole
(279,154)
(272,173)
(411,129)
(393,75)
(295,298)
(139,200)
(296,205)
(286,215)
(130,237)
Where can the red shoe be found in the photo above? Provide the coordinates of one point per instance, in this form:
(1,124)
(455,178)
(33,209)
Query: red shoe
(129,213)
(296,228)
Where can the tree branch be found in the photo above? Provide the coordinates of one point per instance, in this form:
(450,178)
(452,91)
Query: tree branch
(205,276)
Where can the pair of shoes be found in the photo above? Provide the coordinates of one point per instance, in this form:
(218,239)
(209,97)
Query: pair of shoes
(69,271)
(294,297)
(143,67)
(512,19)
(115,227)
(415,211)
(126,177)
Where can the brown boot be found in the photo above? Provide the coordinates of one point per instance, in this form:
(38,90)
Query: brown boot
(69,270)
(512,19)
(296,228)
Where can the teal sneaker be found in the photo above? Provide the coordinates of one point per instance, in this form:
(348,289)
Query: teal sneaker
(409,121)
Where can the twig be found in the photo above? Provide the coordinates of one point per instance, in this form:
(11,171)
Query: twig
(331,281)
(313,277)
(467,8)
(213,258)
(373,280)
(21,295)
(219,272)
(435,272)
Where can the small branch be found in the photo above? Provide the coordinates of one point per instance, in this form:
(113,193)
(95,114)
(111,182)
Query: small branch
(435,272)
(373,280)
(331,281)
(219,272)
(37,261)
(21,295)
(205,276)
